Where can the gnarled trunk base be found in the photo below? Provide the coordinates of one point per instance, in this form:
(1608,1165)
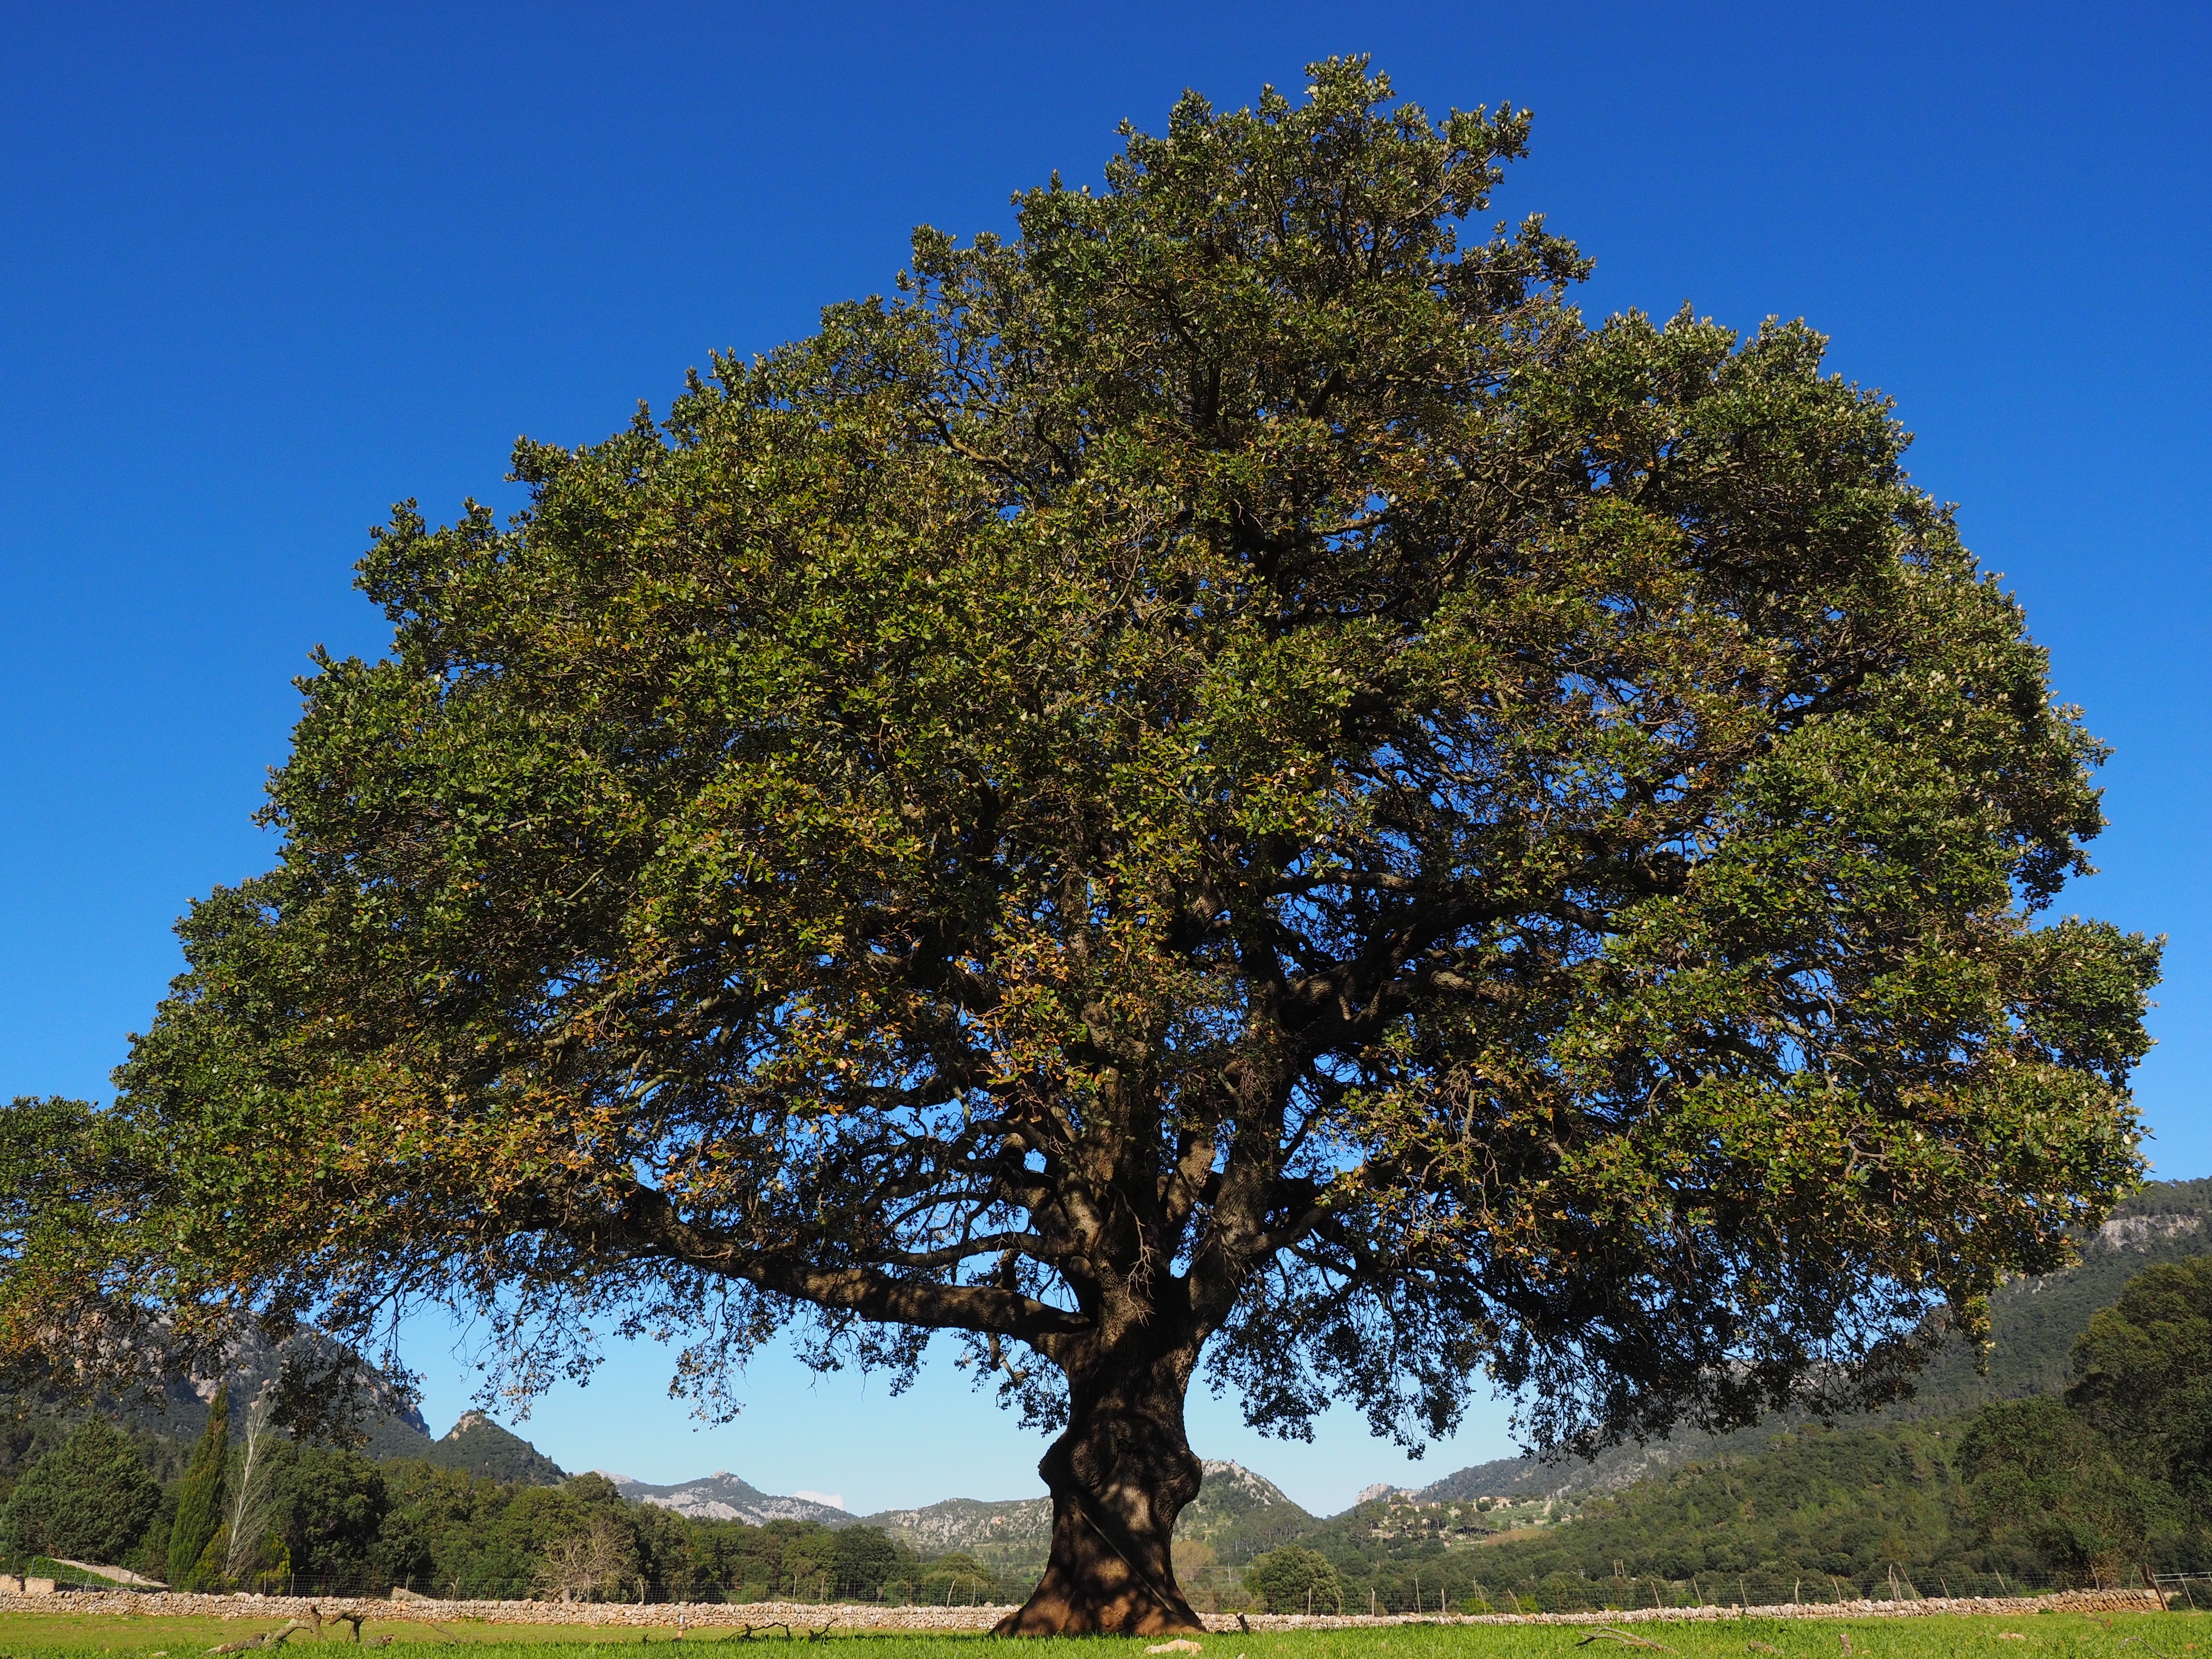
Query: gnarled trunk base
(1119,1477)
(1089,1587)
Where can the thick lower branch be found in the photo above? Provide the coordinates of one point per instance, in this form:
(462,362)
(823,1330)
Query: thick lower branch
(648,1225)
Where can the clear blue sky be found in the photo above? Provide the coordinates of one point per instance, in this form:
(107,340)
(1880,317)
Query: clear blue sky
(264,271)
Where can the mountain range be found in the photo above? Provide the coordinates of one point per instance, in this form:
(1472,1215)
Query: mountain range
(2034,1322)
(1232,1501)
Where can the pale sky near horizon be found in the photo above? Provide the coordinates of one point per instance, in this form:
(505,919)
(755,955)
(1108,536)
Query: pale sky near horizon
(266,269)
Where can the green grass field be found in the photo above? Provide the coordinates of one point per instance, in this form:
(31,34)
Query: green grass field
(2041,1636)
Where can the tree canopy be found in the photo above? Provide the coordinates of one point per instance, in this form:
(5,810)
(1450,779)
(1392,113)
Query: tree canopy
(2142,1375)
(91,1498)
(1225,782)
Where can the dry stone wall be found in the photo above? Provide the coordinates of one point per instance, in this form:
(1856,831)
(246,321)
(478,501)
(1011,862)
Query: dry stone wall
(855,1617)
(374,1610)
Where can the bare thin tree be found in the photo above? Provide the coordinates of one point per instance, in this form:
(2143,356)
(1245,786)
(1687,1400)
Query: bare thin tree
(585,1564)
(247,1523)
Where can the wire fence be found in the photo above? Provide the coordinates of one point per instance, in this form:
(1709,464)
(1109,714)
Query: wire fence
(953,1588)
(1442,1588)
(1447,1589)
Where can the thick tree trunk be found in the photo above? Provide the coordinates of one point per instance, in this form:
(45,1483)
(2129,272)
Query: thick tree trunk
(1119,1477)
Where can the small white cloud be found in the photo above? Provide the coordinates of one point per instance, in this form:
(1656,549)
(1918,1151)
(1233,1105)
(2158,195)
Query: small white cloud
(835,1500)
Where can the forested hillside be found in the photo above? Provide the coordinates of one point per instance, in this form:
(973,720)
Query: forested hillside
(34,1420)
(2105,1483)
(1815,1502)
(476,1445)
(2035,1321)
(2033,1324)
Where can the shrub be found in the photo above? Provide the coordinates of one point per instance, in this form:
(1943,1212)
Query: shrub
(89,1499)
(1294,1579)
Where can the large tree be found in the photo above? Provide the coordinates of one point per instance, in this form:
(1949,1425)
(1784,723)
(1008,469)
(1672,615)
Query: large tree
(1222,781)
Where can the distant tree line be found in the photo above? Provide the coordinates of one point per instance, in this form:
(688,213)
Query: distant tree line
(261,1511)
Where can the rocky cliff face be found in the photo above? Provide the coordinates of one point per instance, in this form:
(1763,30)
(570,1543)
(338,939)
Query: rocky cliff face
(722,1497)
(970,1524)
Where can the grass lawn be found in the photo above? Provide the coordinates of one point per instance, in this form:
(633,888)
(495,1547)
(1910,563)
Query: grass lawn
(2043,1635)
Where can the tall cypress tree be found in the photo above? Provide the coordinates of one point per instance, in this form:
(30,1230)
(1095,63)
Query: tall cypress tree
(199,1504)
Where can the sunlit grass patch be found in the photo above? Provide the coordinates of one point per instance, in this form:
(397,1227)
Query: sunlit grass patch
(2031,1636)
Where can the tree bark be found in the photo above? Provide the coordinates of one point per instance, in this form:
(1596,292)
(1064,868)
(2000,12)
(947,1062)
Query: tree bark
(1119,1477)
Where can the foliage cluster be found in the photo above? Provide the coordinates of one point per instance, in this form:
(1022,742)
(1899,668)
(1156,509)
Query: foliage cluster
(1295,1579)
(91,1499)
